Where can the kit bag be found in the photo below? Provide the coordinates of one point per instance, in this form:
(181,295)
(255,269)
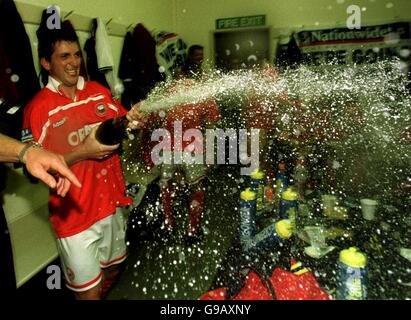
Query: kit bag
(296,284)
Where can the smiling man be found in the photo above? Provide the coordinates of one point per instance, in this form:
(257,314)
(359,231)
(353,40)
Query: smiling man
(63,118)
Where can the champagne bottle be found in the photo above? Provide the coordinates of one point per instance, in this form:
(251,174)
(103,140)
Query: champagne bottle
(112,131)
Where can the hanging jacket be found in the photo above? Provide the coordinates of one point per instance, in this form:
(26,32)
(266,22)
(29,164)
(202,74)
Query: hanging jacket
(18,79)
(102,62)
(91,60)
(138,69)
(125,71)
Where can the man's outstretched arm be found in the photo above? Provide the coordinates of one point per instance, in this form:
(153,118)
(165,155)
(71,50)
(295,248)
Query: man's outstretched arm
(41,163)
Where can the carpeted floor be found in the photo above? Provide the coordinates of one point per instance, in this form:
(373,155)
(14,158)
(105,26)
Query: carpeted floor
(167,267)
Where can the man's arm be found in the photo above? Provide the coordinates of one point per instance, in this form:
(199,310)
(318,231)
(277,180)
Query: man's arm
(136,118)
(40,163)
(90,148)
(10,149)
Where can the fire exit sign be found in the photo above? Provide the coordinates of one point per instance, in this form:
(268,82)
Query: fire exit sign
(240,22)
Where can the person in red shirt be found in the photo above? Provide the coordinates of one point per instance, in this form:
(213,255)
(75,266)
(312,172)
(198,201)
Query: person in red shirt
(63,117)
(182,118)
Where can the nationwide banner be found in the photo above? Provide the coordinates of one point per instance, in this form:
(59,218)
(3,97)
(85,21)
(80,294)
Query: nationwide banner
(366,45)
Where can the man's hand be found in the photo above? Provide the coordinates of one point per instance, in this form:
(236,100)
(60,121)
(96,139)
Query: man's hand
(43,164)
(93,149)
(90,148)
(137,119)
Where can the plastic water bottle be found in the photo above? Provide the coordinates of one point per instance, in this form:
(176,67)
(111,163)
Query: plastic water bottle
(274,234)
(289,206)
(257,186)
(352,275)
(281,181)
(247,215)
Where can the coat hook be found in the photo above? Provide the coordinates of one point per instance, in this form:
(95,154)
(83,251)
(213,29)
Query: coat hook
(108,22)
(68,14)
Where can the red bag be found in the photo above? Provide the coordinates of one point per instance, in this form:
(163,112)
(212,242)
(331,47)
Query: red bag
(290,286)
(282,285)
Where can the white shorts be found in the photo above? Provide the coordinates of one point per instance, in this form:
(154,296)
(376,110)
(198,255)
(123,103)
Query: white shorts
(84,255)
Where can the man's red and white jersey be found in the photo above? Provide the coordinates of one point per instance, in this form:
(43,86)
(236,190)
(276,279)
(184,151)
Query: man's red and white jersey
(60,125)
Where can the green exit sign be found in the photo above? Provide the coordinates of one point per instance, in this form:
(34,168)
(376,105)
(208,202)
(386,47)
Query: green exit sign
(240,22)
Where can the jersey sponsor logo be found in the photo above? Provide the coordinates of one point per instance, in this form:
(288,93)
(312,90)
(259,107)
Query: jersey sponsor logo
(76,137)
(100,109)
(59,123)
(26,135)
